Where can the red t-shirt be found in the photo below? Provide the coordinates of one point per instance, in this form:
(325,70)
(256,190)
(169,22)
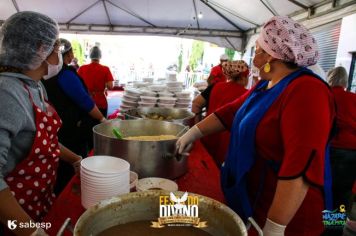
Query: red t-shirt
(221,94)
(294,131)
(95,77)
(218,75)
(345,119)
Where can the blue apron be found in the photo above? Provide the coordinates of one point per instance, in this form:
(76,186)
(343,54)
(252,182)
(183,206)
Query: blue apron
(241,153)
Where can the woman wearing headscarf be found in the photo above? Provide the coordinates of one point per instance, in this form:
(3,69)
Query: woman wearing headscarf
(97,78)
(77,110)
(29,147)
(216,96)
(276,164)
(343,145)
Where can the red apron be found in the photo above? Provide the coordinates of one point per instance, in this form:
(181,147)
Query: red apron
(32,180)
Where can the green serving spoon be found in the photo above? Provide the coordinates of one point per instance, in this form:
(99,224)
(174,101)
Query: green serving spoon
(117,133)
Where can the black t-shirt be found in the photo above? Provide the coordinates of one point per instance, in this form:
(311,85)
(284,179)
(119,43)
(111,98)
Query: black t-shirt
(206,94)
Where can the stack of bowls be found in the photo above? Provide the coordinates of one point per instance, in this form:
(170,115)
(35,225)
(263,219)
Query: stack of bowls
(183,99)
(168,102)
(174,86)
(129,100)
(103,177)
(147,101)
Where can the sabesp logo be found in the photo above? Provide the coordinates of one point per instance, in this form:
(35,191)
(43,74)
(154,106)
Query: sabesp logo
(12,224)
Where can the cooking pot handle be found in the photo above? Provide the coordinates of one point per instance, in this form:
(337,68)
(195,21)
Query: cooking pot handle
(175,155)
(66,226)
(181,156)
(255,225)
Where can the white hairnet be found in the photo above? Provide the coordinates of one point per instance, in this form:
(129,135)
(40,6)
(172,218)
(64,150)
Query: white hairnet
(95,53)
(27,39)
(66,46)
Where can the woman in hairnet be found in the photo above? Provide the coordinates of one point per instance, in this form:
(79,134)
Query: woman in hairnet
(343,145)
(97,78)
(78,112)
(276,171)
(29,147)
(216,96)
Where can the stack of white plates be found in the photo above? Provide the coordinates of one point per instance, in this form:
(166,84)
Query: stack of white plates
(103,177)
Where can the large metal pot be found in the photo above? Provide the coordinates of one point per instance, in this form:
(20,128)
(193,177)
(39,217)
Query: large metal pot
(182,116)
(147,158)
(139,206)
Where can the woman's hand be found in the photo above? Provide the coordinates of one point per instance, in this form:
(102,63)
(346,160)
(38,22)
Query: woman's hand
(273,229)
(76,166)
(184,143)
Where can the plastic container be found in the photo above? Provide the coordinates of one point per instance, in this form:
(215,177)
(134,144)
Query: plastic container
(175,89)
(129,103)
(146,104)
(167,100)
(165,94)
(128,97)
(132,92)
(148,99)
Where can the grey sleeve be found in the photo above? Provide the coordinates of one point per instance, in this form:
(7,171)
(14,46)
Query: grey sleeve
(12,119)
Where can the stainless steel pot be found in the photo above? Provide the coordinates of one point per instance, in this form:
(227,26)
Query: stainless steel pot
(138,206)
(147,158)
(181,116)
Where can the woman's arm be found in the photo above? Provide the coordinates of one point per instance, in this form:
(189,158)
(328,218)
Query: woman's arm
(68,156)
(287,200)
(198,104)
(109,79)
(209,125)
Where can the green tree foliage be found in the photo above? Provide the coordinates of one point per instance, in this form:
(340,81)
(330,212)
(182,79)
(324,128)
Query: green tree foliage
(78,51)
(230,53)
(180,59)
(197,54)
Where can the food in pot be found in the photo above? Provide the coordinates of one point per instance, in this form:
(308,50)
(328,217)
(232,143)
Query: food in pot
(156,116)
(140,228)
(152,138)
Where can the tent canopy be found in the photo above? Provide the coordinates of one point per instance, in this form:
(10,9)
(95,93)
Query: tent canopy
(223,22)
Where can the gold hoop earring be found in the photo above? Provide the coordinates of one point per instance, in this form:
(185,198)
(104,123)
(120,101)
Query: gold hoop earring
(267,68)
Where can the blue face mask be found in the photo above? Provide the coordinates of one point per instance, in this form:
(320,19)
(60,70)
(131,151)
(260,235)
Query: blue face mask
(53,70)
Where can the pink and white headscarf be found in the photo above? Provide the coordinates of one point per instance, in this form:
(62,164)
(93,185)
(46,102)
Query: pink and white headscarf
(285,39)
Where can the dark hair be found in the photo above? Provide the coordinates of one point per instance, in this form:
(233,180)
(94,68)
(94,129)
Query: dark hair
(290,65)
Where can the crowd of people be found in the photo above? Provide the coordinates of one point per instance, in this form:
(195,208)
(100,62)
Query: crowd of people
(279,145)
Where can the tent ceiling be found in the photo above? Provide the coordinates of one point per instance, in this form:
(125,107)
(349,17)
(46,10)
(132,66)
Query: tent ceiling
(224,22)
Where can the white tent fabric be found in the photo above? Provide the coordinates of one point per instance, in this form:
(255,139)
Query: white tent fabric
(223,22)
